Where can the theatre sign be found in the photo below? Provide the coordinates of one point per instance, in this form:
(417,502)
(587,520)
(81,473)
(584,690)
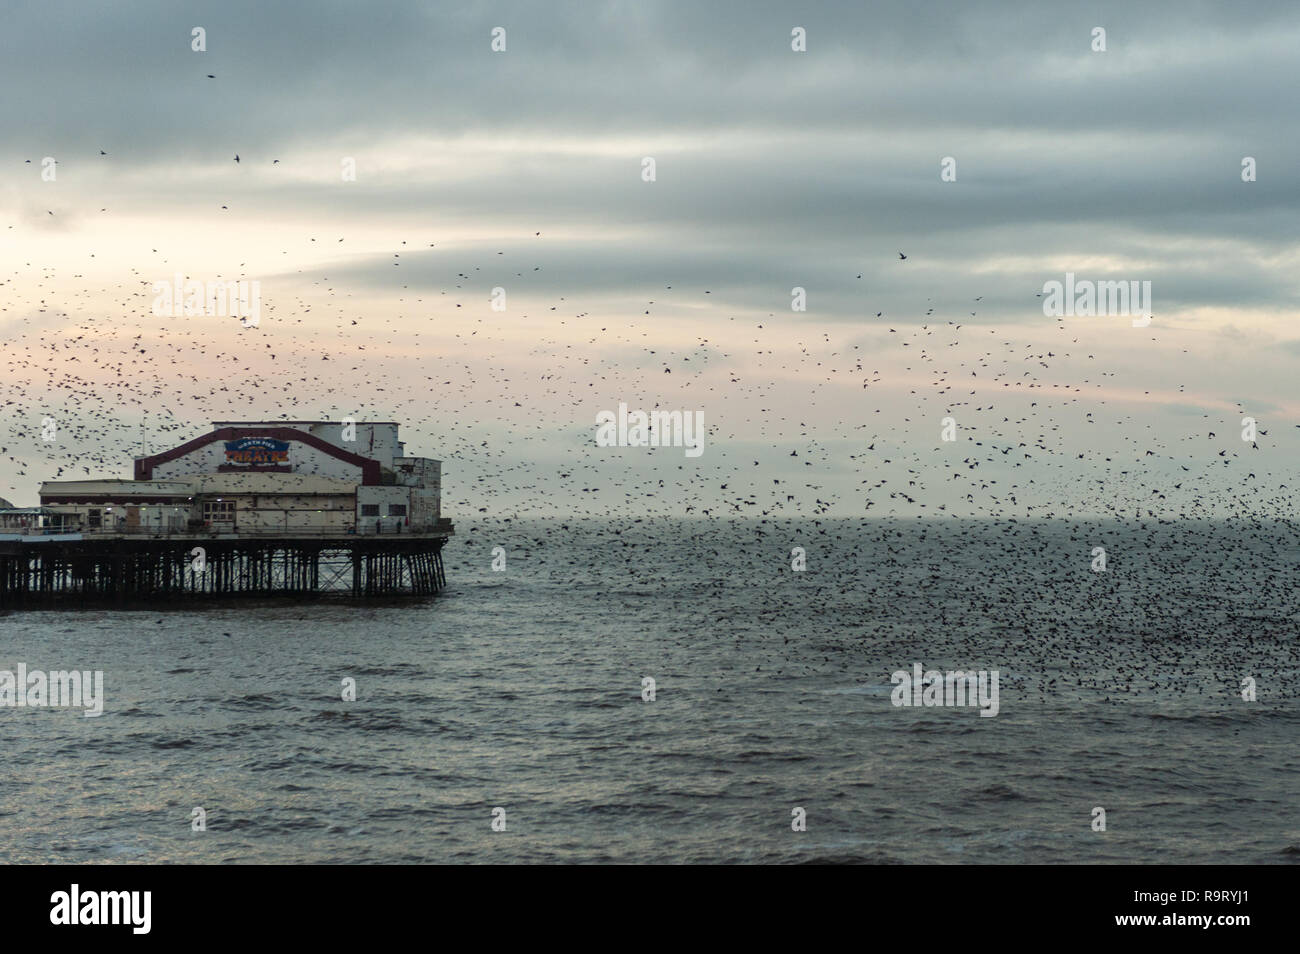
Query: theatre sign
(255,452)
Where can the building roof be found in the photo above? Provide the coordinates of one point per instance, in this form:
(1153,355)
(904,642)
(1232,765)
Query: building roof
(135,488)
(233,483)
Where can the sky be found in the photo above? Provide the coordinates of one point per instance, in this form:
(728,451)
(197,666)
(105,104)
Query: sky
(523,169)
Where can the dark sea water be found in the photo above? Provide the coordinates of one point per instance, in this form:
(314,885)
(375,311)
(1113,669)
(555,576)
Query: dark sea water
(521,690)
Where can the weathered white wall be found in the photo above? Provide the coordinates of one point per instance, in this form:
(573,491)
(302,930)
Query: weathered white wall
(303,458)
(383,496)
(293,512)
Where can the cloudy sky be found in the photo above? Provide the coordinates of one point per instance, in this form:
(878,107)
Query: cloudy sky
(775,169)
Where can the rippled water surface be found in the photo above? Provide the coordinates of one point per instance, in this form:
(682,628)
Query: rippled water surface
(522,690)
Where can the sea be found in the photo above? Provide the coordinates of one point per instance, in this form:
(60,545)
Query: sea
(694,691)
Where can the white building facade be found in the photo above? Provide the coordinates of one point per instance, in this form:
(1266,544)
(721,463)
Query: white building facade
(263,478)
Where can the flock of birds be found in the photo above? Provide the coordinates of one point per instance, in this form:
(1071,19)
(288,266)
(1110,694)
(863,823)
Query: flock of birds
(109,392)
(114,377)
(117,380)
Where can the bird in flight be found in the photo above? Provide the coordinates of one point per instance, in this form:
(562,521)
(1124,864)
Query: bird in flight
(902,257)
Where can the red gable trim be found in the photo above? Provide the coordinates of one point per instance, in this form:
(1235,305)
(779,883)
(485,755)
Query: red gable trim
(369,468)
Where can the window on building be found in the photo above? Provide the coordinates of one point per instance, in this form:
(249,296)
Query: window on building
(370,510)
(94,519)
(397,510)
(219,511)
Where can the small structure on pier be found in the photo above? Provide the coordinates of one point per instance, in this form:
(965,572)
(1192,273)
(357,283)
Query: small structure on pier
(300,507)
(18,519)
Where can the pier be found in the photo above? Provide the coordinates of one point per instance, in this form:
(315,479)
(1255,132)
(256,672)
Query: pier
(298,509)
(74,569)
